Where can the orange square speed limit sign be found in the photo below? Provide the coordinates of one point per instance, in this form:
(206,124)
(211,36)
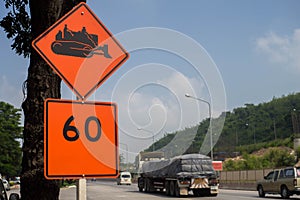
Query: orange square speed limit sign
(81,139)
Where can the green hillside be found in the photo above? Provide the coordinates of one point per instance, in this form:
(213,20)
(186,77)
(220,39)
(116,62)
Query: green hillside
(246,128)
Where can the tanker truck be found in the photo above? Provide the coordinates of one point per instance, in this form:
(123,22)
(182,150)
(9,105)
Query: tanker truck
(179,176)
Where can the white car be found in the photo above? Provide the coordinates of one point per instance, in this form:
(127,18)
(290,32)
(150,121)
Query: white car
(124,178)
(6,184)
(3,194)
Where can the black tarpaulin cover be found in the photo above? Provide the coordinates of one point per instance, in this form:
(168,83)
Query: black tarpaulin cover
(195,165)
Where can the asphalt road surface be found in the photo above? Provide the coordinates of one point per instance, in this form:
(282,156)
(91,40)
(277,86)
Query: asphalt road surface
(108,190)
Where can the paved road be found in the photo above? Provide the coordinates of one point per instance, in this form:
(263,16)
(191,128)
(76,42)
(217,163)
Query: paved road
(111,191)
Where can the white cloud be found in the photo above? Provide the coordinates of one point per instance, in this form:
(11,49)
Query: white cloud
(159,103)
(187,109)
(282,50)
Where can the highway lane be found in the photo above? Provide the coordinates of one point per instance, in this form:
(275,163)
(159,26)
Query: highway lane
(108,190)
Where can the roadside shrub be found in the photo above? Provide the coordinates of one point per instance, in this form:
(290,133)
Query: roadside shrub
(273,158)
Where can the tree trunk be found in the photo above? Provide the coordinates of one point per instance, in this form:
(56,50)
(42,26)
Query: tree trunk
(41,83)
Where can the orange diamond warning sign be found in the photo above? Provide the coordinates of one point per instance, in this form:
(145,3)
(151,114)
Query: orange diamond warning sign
(81,50)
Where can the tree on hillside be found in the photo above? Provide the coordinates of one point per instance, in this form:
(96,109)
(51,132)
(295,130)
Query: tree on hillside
(41,83)
(10,131)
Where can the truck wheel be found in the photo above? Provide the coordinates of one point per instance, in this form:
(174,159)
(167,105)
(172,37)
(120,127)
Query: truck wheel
(176,189)
(261,192)
(140,189)
(147,185)
(167,186)
(172,188)
(284,192)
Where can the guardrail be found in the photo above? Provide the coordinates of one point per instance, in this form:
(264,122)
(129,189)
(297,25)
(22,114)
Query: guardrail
(243,180)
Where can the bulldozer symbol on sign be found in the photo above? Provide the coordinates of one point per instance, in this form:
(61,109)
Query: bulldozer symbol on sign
(78,44)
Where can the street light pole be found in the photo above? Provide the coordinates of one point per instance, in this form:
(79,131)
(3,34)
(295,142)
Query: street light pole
(126,154)
(253,129)
(141,129)
(210,119)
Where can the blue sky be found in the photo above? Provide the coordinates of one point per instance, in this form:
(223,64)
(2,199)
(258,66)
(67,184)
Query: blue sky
(254,45)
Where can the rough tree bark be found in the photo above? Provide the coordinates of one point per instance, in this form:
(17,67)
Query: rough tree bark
(41,83)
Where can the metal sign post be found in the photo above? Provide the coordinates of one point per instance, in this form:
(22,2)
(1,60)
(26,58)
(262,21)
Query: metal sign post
(81,189)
